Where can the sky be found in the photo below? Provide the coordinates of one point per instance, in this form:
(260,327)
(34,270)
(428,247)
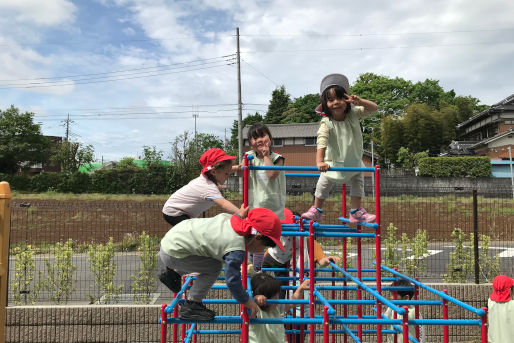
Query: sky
(134,73)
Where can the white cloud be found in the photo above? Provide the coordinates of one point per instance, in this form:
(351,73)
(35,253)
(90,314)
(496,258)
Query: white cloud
(39,13)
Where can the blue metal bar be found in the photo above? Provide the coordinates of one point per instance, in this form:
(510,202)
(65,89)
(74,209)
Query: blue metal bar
(169,308)
(370,225)
(302,168)
(324,301)
(190,333)
(328,234)
(369,290)
(477,311)
(301,175)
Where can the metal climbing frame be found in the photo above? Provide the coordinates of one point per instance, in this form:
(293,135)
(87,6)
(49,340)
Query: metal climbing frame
(331,323)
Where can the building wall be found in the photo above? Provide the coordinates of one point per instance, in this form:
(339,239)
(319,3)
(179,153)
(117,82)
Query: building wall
(505,127)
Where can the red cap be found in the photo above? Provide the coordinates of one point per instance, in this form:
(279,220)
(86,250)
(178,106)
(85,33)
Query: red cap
(288,217)
(501,288)
(213,156)
(264,221)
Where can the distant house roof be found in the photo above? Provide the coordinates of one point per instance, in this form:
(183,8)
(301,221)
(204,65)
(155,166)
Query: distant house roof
(89,167)
(506,104)
(494,138)
(293,130)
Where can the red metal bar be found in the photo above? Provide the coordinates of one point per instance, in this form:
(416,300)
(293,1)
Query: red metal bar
(395,315)
(416,308)
(245,181)
(244,313)
(405,324)
(312,278)
(378,251)
(484,326)
(302,275)
(325,324)
(343,209)
(183,326)
(359,276)
(446,333)
(164,323)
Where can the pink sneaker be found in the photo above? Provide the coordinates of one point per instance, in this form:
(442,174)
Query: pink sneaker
(362,216)
(313,213)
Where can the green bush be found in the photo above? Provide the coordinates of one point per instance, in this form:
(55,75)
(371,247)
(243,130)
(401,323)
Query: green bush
(74,183)
(45,182)
(479,166)
(17,182)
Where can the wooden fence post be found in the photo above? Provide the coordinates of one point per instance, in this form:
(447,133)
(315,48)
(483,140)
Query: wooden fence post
(5,215)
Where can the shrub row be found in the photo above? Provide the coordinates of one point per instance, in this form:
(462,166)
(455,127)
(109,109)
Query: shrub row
(479,166)
(157,179)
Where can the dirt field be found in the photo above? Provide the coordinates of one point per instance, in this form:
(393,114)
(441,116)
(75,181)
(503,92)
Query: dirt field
(96,221)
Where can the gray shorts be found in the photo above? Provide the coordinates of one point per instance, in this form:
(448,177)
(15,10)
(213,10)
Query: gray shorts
(324,186)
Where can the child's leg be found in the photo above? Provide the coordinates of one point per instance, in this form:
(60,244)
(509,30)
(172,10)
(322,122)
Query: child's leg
(357,213)
(323,188)
(166,273)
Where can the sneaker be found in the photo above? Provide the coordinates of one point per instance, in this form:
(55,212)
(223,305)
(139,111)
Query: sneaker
(361,215)
(193,310)
(313,213)
(171,279)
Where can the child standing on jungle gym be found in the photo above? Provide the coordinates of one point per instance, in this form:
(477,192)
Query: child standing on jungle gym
(202,245)
(340,144)
(201,193)
(266,188)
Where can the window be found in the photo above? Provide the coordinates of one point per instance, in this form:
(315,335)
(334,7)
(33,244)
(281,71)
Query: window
(310,141)
(278,142)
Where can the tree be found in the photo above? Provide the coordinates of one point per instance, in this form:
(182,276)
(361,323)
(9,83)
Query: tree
(126,163)
(421,129)
(277,106)
(391,139)
(151,156)
(21,141)
(247,121)
(72,155)
(301,110)
(185,155)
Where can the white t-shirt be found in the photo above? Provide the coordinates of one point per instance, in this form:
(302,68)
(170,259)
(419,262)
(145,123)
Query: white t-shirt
(500,321)
(412,328)
(193,199)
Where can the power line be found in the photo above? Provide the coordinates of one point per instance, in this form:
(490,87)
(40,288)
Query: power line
(104,79)
(316,51)
(195,62)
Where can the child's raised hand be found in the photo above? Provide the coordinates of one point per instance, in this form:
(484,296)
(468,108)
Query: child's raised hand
(260,300)
(253,307)
(243,211)
(322,166)
(264,145)
(352,99)
(325,261)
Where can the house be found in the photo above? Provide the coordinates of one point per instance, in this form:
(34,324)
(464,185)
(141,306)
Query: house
(297,143)
(47,167)
(491,132)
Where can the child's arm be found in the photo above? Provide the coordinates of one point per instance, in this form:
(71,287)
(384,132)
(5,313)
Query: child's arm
(320,160)
(229,207)
(233,261)
(260,299)
(298,294)
(238,170)
(369,106)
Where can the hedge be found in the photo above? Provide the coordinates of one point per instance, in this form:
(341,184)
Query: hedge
(156,179)
(479,166)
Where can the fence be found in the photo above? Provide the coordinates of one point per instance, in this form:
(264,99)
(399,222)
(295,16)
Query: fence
(37,226)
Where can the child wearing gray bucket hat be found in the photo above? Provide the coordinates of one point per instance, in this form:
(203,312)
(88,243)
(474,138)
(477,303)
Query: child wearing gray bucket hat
(340,144)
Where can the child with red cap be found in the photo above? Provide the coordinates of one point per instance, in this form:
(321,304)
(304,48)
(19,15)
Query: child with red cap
(201,193)
(202,245)
(501,311)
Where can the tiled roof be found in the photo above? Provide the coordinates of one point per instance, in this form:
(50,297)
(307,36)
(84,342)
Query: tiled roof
(294,130)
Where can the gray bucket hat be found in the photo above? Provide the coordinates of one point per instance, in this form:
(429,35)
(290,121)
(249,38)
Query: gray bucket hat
(334,80)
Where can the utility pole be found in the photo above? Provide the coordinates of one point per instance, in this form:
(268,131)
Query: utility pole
(195,115)
(66,124)
(239,103)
